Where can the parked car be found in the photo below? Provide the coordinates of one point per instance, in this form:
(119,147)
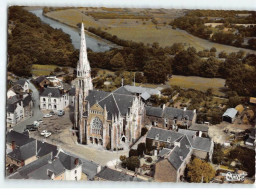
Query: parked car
(36,123)
(61,112)
(47,115)
(45,133)
(31,128)
(52,112)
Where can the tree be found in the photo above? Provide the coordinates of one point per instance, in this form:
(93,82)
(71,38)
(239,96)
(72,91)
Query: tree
(200,171)
(217,154)
(133,152)
(141,149)
(117,62)
(155,72)
(57,69)
(132,163)
(213,49)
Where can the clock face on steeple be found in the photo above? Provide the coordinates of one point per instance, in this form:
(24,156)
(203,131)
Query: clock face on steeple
(96,126)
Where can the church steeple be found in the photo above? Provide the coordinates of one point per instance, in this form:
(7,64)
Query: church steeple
(83,66)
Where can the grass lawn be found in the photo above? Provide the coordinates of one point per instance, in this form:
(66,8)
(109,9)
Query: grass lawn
(198,83)
(39,70)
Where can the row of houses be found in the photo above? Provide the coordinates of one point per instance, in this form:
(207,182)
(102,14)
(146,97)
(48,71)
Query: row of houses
(174,150)
(28,158)
(19,102)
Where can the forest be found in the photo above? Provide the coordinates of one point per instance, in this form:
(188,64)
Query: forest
(32,42)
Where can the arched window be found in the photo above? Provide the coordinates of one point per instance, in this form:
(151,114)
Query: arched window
(96,126)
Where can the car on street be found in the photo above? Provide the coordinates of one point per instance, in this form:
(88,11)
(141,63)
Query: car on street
(31,128)
(52,112)
(45,133)
(47,115)
(61,112)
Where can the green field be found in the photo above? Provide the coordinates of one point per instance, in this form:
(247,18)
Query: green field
(198,83)
(138,30)
(39,70)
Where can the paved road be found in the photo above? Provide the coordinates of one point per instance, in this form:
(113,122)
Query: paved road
(37,114)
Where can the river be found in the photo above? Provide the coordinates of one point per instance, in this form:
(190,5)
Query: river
(95,44)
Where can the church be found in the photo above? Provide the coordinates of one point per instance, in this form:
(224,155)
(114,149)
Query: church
(111,120)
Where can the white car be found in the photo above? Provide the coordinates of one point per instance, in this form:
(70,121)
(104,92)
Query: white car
(47,115)
(44,132)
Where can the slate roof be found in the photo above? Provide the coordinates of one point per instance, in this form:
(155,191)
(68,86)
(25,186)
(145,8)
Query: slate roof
(253,132)
(113,175)
(122,90)
(27,100)
(164,151)
(46,148)
(54,166)
(95,96)
(55,92)
(179,153)
(89,168)
(145,95)
(33,166)
(19,138)
(24,152)
(115,102)
(200,143)
(176,113)
(140,90)
(186,132)
(40,79)
(21,82)
(154,111)
(68,161)
(230,112)
(72,91)
(163,134)
(12,103)
(199,127)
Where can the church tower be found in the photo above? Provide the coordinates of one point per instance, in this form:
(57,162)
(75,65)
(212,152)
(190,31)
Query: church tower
(83,81)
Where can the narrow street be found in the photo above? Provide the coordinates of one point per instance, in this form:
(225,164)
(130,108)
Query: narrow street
(37,114)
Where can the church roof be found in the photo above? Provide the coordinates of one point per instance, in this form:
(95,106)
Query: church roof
(115,102)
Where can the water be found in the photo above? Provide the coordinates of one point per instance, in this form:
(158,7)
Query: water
(93,43)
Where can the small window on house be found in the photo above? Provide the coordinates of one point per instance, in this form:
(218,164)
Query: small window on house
(44,99)
(75,171)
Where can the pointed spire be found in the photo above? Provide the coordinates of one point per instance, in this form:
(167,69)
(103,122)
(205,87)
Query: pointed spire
(83,63)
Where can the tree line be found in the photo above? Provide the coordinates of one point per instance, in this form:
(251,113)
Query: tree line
(31,41)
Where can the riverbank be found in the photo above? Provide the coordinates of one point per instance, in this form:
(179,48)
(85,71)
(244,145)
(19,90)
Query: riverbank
(86,31)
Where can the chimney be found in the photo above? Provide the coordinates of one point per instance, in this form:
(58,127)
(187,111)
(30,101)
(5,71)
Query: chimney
(76,161)
(194,110)
(13,145)
(185,108)
(163,106)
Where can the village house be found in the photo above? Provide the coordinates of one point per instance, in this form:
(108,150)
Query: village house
(174,151)
(169,117)
(49,167)
(42,82)
(24,84)
(52,98)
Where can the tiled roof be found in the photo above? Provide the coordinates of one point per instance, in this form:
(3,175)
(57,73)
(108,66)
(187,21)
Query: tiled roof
(68,161)
(19,138)
(54,91)
(200,143)
(122,90)
(199,127)
(46,148)
(27,100)
(114,175)
(186,132)
(154,111)
(140,90)
(176,113)
(163,134)
(72,91)
(21,82)
(24,152)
